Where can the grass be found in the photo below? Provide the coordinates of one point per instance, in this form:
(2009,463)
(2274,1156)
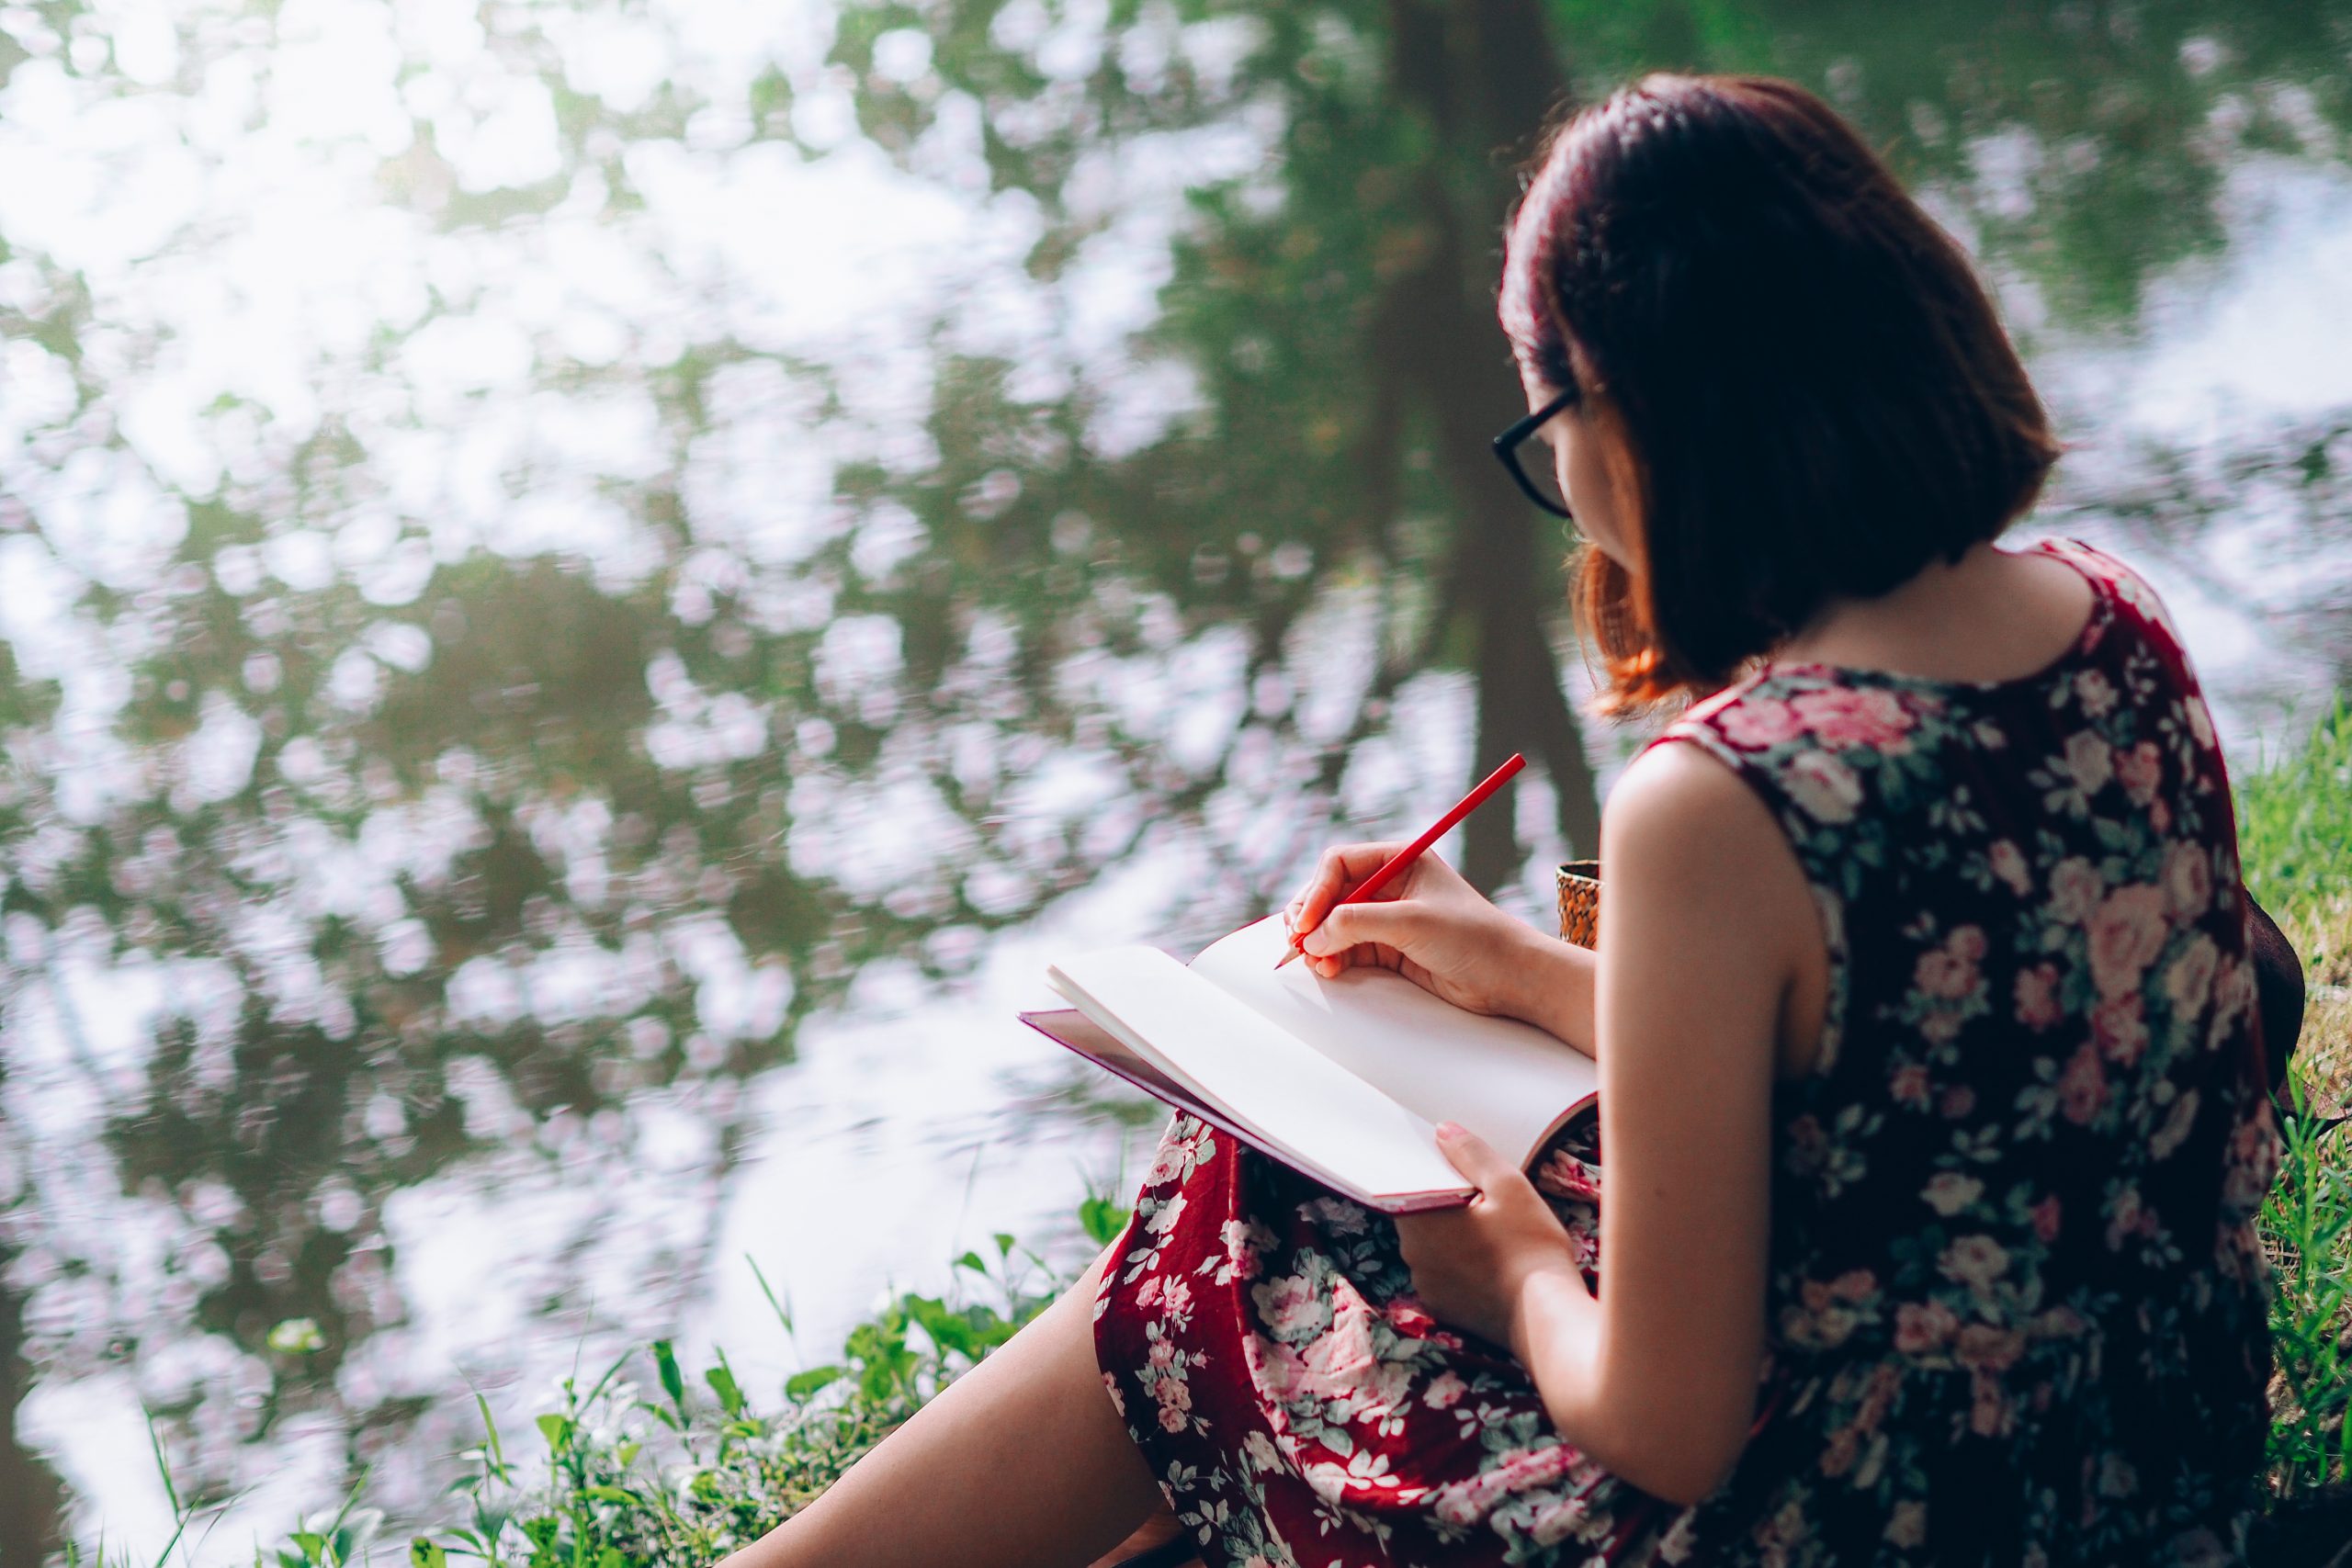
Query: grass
(679,1470)
(2295,830)
(2295,834)
(681,1475)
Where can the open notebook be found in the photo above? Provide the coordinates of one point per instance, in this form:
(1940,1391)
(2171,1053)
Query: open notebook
(1342,1079)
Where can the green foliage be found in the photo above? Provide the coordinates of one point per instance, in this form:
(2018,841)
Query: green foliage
(1104,1219)
(2295,820)
(681,1481)
(678,1480)
(342,1540)
(2295,839)
(2308,1221)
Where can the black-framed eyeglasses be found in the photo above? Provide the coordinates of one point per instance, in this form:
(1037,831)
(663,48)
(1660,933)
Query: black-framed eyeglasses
(1544,490)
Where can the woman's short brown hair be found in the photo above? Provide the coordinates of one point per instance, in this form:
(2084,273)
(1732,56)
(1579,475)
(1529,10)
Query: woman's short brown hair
(1815,393)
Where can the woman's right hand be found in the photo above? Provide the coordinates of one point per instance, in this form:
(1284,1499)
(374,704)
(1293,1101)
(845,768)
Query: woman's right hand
(1427,924)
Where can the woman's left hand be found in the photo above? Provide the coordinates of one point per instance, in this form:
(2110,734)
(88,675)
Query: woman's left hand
(1471,1264)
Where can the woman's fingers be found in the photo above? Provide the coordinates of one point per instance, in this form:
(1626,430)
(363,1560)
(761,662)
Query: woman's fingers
(1472,1156)
(1327,887)
(1341,867)
(1375,956)
(1382,922)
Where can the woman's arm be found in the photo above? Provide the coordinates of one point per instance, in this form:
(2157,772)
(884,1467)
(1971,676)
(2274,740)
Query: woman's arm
(1558,981)
(1705,924)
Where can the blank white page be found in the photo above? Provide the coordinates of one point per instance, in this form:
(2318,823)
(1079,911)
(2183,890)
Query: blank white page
(1508,1081)
(1288,1092)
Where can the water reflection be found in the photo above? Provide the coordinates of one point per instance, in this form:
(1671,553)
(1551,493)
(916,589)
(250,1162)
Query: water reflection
(590,590)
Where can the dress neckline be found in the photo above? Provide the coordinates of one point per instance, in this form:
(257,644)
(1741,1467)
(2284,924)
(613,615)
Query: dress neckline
(2094,627)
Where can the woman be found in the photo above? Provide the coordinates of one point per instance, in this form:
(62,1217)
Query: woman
(1931,1079)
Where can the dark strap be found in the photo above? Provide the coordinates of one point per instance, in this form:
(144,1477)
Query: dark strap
(2279,994)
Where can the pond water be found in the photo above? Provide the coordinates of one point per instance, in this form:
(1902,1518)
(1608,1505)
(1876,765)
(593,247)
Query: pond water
(593,590)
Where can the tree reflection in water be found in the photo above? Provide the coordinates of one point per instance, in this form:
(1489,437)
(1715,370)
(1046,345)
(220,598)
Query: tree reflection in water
(521,588)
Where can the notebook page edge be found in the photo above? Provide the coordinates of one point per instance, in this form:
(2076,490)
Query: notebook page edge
(1117,1028)
(1176,1097)
(1363,1126)
(1529,1056)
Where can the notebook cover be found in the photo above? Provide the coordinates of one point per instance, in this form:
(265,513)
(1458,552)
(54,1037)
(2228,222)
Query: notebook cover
(1072,1028)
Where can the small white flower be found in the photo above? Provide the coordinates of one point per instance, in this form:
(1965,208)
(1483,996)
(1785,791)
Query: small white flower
(1948,1193)
(2089,761)
(2174,1131)
(1825,787)
(1976,1261)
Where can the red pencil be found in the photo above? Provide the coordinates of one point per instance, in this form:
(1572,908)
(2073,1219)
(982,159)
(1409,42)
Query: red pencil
(1412,852)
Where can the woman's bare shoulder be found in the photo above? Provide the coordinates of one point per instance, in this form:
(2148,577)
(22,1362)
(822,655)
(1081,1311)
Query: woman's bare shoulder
(1681,818)
(1679,795)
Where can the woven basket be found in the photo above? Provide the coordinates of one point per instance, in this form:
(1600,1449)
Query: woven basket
(1580,902)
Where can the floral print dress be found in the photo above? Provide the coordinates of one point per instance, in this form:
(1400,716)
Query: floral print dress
(2016,1305)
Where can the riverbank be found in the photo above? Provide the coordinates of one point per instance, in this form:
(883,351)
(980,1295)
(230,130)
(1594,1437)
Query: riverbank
(659,1463)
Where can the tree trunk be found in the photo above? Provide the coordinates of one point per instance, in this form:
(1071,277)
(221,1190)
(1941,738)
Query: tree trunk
(1484,77)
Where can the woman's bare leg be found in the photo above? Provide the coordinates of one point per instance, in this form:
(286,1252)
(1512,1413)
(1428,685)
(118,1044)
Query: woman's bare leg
(1020,1462)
